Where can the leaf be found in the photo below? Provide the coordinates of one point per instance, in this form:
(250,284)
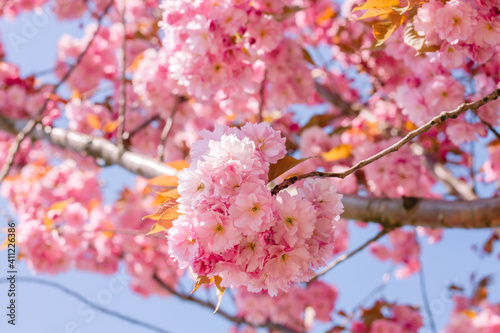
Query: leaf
(373,313)
(455,287)
(325,16)
(307,57)
(481,290)
(178,164)
(157,227)
(413,39)
(220,291)
(488,246)
(76,94)
(5,243)
(136,62)
(170,214)
(203,279)
(283,165)
(383,30)
(60,206)
(337,153)
(376,12)
(172,194)
(377,4)
(94,202)
(164,180)
(320,120)
(287,12)
(94,121)
(200,280)
(111,126)
(164,208)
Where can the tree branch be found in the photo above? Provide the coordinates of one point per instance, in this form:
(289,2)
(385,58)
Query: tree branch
(98,148)
(82,299)
(123,97)
(211,306)
(425,297)
(430,213)
(395,147)
(167,128)
(9,161)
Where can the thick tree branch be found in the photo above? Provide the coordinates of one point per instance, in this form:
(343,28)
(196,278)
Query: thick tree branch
(395,147)
(97,148)
(211,306)
(431,213)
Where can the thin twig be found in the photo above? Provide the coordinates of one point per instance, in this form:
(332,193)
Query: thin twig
(166,129)
(346,256)
(487,124)
(128,135)
(395,147)
(425,297)
(123,97)
(14,148)
(386,278)
(261,96)
(211,306)
(82,299)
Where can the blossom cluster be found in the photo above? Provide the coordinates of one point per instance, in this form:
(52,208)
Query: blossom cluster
(405,250)
(463,29)
(232,48)
(402,319)
(295,309)
(234,228)
(468,317)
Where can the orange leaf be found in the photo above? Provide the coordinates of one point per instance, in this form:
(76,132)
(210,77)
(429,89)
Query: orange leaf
(325,16)
(56,98)
(337,153)
(283,165)
(178,164)
(136,62)
(168,204)
(170,213)
(5,243)
(220,291)
(164,180)
(384,30)
(172,194)
(94,121)
(76,94)
(199,280)
(60,206)
(157,227)
(111,126)
(377,4)
(93,204)
(374,12)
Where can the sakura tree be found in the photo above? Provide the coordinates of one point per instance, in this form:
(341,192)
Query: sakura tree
(262,135)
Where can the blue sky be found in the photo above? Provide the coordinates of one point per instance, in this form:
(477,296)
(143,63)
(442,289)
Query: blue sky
(43,309)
